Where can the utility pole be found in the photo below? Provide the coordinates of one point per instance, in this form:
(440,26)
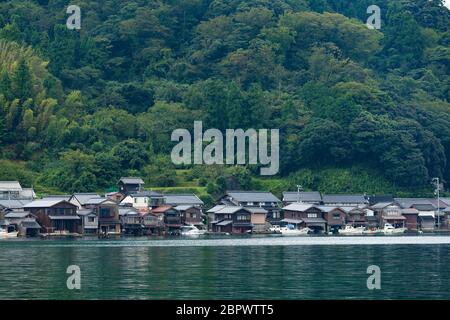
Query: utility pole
(437,192)
(299,188)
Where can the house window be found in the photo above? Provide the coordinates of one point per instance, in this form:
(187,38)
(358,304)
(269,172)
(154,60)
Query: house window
(91,219)
(193,215)
(336,216)
(276,214)
(250,203)
(312,215)
(135,200)
(242,218)
(104,212)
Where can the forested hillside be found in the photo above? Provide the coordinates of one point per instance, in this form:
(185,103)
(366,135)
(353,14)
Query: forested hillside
(358,109)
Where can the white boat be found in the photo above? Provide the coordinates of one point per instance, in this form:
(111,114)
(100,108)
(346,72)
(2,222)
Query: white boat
(390,229)
(4,234)
(290,230)
(351,230)
(191,230)
(373,231)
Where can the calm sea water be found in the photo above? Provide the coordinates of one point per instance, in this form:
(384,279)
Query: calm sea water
(231,268)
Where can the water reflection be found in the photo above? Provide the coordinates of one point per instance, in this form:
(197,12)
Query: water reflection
(37,270)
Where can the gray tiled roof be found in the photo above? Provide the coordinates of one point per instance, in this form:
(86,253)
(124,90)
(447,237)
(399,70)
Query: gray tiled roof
(43,203)
(343,198)
(17,214)
(84,197)
(181,199)
(253,196)
(307,196)
(14,204)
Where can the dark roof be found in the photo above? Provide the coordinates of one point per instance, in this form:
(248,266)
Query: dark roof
(252,196)
(131,180)
(307,196)
(343,198)
(410,202)
(424,207)
(147,193)
(380,198)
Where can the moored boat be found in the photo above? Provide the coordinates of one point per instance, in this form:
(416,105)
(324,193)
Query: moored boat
(191,230)
(290,230)
(351,230)
(390,229)
(4,234)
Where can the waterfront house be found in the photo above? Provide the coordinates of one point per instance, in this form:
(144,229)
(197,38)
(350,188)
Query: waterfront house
(80,199)
(258,219)
(131,220)
(171,217)
(255,199)
(232,219)
(393,215)
(426,209)
(355,216)
(211,214)
(55,215)
(344,200)
(305,215)
(153,223)
(89,221)
(310,197)
(412,216)
(335,218)
(24,222)
(128,185)
(107,212)
(190,214)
